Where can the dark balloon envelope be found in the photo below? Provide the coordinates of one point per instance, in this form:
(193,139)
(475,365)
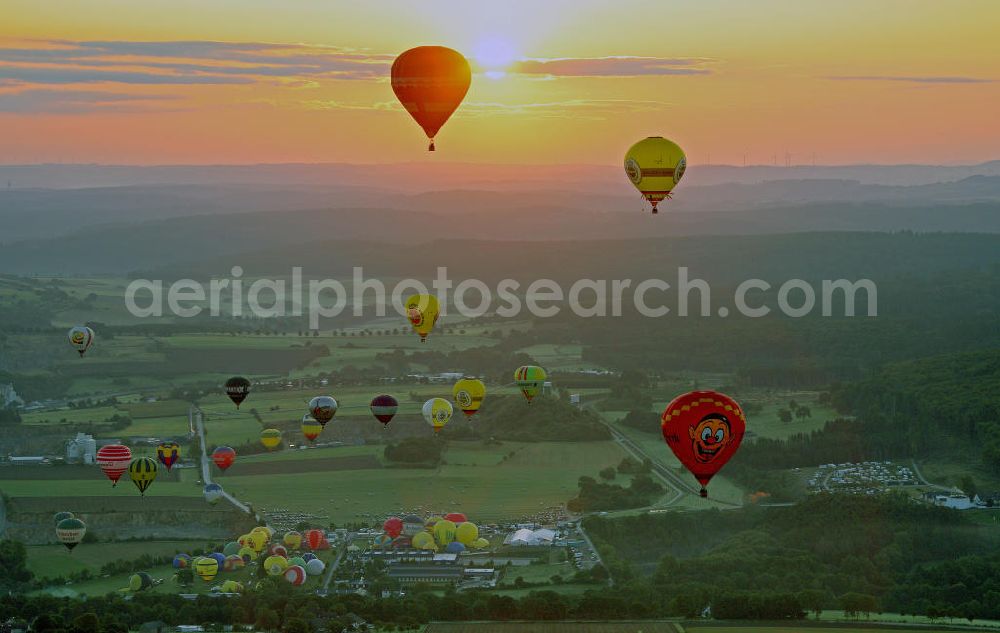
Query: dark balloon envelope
(384,407)
(237,388)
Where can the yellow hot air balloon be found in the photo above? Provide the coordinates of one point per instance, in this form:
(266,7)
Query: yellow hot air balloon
(437,412)
(444,532)
(231,586)
(247,553)
(270,438)
(530,380)
(655,165)
(423,540)
(256,541)
(467,533)
(480,543)
(422,311)
(142,470)
(469,393)
(206,568)
(275,565)
(293,539)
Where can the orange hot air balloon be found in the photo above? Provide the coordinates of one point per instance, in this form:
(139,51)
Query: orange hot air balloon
(430,82)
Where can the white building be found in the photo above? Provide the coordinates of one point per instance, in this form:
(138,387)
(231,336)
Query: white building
(525,536)
(954,501)
(9,397)
(82,448)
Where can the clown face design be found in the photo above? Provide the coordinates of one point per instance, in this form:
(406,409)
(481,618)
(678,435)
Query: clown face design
(710,436)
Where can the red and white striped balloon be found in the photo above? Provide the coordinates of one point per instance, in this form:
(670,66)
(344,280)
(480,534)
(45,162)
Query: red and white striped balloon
(295,575)
(114,460)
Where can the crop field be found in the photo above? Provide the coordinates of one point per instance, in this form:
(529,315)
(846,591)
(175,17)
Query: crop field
(47,561)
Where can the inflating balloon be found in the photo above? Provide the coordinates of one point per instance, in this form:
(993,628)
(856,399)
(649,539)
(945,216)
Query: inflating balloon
(270,438)
(481,543)
(456,517)
(142,471)
(384,407)
(393,526)
(231,548)
(423,540)
(223,457)
(233,562)
(206,568)
(323,408)
(140,582)
(703,429)
(81,338)
(437,412)
(70,532)
(655,166)
(181,561)
(467,533)
(292,540)
(295,575)
(237,388)
(168,453)
(314,539)
(315,567)
(444,532)
(231,586)
(422,311)
(247,554)
(275,565)
(530,380)
(430,82)
(469,393)
(114,460)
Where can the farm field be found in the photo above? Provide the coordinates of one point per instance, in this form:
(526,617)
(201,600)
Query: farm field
(47,561)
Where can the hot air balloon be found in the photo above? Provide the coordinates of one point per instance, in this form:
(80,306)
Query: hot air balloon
(231,548)
(297,560)
(168,453)
(275,565)
(231,586)
(383,540)
(430,82)
(181,561)
(456,517)
(247,554)
(212,493)
(437,412)
(237,388)
(218,558)
(295,575)
(293,539)
(480,543)
(233,562)
(530,380)
(444,532)
(323,408)
(315,567)
(314,539)
(114,460)
(467,533)
(140,582)
(70,532)
(393,526)
(206,568)
(412,524)
(308,556)
(81,337)
(277,550)
(142,470)
(454,547)
(703,429)
(422,311)
(469,393)
(223,457)
(423,540)
(384,407)
(59,516)
(311,428)
(270,438)
(655,166)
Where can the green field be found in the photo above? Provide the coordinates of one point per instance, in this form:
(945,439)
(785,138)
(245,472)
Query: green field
(47,561)
(660,626)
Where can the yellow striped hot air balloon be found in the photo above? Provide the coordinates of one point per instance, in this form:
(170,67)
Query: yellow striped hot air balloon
(530,380)
(655,165)
(142,470)
(206,568)
(270,438)
(469,393)
(422,310)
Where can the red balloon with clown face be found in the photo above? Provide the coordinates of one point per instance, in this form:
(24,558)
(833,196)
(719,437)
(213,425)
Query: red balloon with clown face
(703,429)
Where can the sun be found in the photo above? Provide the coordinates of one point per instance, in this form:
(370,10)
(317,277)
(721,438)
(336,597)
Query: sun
(494,55)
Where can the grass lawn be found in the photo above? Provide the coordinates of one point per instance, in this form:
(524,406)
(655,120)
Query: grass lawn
(47,561)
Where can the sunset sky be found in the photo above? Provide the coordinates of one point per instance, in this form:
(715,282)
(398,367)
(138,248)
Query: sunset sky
(246,81)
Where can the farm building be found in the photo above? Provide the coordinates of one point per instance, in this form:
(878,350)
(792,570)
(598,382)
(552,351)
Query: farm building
(524,536)
(82,448)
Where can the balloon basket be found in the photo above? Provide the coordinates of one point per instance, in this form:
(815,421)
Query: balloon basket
(703,493)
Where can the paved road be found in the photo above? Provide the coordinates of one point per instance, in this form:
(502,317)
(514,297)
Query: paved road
(332,569)
(921,479)
(195,417)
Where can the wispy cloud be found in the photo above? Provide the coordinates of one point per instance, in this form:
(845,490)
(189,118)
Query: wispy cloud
(595,109)
(617,66)
(915,79)
(75,101)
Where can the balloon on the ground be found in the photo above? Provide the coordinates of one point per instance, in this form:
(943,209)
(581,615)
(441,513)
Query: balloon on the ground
(237,388)
(292,539)
(231,548)
(423,540)
(256,541)
(278,550)
(384,407)
(212,493)
(383,540)
(70,532)
(223,457)
(323,408)
(430,82)
(81,338)
(270,438)
(655,165)
(530,379)
(412,524)
(454,547)
(168,453)
(114,460)
(181,561)
(456,517)
(295,575)
(703,429)
(314,539)
(315,567)
(142,471)
(393,526)
(444,532)
(140,582)
(275,565)
(233,563)
(481,543)
(437,412)
(206,568)
(231,586)
(311,428)
(469,393)
(308,556)
(217,557)
(297,560)
(467,533)
(247,553)
(422,310)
